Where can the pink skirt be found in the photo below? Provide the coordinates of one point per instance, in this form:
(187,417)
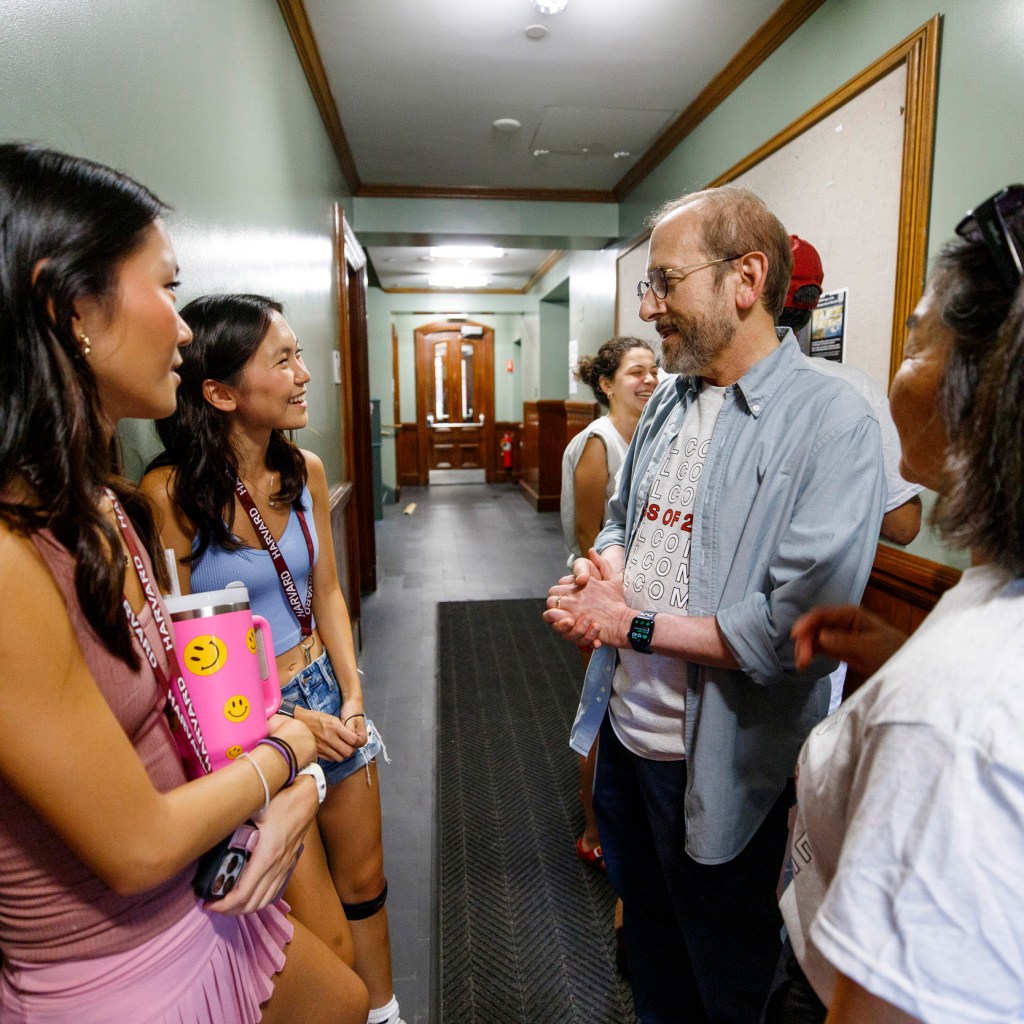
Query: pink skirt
(206,968)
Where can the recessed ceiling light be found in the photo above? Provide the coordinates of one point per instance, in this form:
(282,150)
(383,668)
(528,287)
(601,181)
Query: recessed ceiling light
(466,252)
(536,31)
(457,279)
(618,154)
(541,152)
(507,124)
(550,6)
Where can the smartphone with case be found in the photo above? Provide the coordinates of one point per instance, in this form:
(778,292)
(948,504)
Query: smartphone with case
(220,867)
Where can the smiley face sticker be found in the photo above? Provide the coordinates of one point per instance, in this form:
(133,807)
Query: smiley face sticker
(233,752)
(250,640)
(205,655)
(237,708)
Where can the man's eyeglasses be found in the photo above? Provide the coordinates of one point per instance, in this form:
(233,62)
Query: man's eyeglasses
(998,223)
(658,281)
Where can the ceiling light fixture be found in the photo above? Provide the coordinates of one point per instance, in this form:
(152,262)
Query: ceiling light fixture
(536,31)
(507,124)
(618,154)
(550,6)
(541,152)
(458,279)
(466,252)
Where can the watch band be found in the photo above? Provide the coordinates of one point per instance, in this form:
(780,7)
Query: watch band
(641,632)
(287,708)
(316,773)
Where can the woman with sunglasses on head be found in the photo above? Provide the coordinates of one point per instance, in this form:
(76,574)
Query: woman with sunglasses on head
(100,829)
(906,903)
(623,375)
(237,500)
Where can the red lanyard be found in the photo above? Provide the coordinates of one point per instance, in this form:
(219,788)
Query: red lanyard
(171,680)
(304,613)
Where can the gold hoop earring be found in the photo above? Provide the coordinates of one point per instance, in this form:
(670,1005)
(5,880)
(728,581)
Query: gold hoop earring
(86,347)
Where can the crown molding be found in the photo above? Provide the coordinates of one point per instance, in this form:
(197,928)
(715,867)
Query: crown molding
(757,49)
(299,28)
(537,195)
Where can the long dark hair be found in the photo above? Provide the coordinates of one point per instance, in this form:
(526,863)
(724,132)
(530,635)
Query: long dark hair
(981,401)
(226,332)
(66,226)
(605,363)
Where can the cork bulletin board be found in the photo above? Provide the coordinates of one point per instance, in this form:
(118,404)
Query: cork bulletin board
(852,176)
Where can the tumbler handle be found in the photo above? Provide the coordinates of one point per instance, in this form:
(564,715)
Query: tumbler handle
(268,666)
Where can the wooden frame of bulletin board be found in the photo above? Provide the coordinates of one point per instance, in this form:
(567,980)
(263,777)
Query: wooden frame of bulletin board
(903,585)
(917,58)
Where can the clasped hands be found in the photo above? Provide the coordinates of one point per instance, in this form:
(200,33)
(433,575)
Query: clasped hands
(588,607)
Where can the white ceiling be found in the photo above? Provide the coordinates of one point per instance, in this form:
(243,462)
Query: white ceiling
(418,84)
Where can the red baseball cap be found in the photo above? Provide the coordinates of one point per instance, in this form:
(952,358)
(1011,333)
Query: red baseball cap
(806,271)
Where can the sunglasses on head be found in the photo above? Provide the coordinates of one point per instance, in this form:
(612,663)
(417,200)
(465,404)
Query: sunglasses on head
(998,222)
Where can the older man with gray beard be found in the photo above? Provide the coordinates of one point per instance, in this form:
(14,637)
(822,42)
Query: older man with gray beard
(752,491)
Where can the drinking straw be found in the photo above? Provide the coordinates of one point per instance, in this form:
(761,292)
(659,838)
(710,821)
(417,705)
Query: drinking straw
(172,570)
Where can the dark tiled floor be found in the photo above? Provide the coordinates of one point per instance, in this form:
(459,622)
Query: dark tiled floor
(463,543)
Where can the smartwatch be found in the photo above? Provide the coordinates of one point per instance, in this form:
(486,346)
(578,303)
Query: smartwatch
(316,773)
(287,709)
(641,631)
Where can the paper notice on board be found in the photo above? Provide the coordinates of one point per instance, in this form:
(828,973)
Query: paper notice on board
(828,325)
(574,358)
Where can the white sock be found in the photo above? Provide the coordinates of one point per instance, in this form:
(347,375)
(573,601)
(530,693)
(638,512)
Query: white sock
(386,1014)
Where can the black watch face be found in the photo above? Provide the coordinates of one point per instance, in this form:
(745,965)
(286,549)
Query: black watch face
(640,633)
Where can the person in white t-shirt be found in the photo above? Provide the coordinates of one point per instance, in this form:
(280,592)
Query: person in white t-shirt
(623,375)
(906,902)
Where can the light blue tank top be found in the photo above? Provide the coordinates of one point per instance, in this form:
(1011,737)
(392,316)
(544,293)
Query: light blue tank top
(255,568)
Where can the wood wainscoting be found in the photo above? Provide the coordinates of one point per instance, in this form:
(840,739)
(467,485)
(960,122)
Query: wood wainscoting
(902,589)
(548,426)
(346,541)
(407,455)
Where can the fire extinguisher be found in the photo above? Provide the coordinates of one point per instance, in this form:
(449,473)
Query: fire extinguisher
(506,450)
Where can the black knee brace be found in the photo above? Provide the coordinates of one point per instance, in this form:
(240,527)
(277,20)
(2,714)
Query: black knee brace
(361,911)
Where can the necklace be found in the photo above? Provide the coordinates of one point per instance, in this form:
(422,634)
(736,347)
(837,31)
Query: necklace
(272,501)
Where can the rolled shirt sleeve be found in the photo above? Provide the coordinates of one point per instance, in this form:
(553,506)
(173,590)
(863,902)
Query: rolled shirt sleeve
(822,556)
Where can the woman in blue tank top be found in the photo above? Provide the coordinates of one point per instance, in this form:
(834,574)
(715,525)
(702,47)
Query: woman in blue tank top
(240,501)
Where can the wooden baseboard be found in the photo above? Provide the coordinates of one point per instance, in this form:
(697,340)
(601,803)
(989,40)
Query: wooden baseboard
(540,502)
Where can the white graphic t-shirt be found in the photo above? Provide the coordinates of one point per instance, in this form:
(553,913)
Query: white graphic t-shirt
(648,702)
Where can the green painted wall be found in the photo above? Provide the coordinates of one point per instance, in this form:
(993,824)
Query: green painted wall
(553,364)
(207,104)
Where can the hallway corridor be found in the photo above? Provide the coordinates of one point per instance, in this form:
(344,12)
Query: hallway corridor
(463,543)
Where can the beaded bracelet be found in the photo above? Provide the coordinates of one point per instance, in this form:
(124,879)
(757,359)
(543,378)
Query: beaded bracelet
(263,779)
(285,750)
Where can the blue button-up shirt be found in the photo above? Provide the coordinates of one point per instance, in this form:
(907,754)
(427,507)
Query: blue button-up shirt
(787,517)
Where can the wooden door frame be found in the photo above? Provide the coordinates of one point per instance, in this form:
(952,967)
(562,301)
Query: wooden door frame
(423,399)
(351,279)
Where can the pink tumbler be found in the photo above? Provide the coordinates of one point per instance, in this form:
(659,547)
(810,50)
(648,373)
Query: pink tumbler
(231,681)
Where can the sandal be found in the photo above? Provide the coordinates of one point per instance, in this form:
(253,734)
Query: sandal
(594,857)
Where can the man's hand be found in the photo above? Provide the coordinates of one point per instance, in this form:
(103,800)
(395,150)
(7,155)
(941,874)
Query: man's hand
(851,634)
(588,607)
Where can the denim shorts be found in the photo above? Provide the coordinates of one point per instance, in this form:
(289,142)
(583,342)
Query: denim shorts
(316,688)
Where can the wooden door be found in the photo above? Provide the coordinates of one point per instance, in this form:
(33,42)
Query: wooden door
(455,398)
(355,390)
